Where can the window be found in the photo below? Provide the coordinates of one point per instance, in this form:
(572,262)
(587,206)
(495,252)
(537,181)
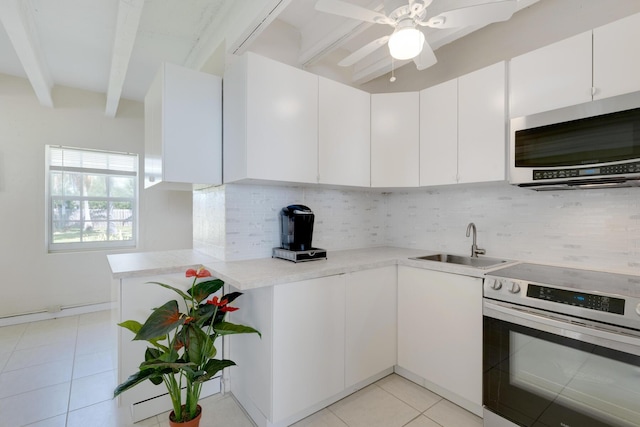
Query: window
(92,199)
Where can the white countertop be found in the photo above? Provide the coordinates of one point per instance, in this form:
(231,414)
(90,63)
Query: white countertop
(256,273)
(139,264)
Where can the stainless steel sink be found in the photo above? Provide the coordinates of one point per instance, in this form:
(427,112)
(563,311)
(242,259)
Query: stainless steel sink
(484,262)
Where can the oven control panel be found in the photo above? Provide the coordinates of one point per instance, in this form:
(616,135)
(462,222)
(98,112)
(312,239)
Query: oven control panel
(580,299)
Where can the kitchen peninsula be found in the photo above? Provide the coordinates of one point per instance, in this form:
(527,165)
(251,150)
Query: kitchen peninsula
(329,327)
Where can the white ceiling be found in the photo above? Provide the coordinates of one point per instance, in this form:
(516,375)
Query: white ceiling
(115,46)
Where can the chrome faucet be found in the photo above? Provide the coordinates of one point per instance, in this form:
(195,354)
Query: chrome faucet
(475,250)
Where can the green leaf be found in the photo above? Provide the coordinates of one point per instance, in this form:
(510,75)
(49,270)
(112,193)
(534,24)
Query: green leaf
(159,365)
(132,325)
(203,289)
(135,379)
(230,297)
(212,367)
(226,328)
(178,291)
(198,344)
(162,320)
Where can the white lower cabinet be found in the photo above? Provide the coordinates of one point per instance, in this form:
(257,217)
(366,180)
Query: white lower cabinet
(370,323)
(308,344)
(440,333)
(319,338)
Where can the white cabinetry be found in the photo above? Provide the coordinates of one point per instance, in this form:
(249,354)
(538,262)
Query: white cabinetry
(320,337)
(183,129)
(616,58)
(439,134)
(482,126)
(593,65)
(370,323)
(308,344)
(551,77)
(344,137)
(463,129)
(270,122)
(440,333)
(395,144)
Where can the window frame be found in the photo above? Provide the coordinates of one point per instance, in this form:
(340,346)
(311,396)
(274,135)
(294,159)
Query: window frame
(50,200)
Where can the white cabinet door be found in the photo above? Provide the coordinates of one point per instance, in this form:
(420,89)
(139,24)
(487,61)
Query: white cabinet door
(270,122)
(370,323)
(482,125)
(551,77)
(616,58)
(344,135)
(183,128)
(308,343)
(440,332)
(395,143)
(439,134)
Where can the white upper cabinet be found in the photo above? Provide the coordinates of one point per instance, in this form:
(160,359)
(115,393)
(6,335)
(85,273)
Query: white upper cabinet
(183,129)
(593,65)
(482,125)
(616,58)
(439,134)
(270,122)
(344,139)
(551,77)
(395,142)
(463,129)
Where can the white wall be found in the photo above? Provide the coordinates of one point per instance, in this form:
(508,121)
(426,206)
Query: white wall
(249,228)
(33,279)
(592,229)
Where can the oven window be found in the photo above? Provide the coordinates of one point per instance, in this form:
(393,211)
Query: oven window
(538,379)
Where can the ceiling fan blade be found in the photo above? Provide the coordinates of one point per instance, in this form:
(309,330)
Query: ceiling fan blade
(426,58)
(480,14)
(364,51)
(348,10)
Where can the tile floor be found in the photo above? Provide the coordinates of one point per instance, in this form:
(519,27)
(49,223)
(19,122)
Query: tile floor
(66,366)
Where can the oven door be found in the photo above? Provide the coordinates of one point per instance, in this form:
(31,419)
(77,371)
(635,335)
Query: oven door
(543,371)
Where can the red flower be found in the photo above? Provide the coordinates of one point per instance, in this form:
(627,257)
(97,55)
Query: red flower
(227,309)
(216,302)
(200,272)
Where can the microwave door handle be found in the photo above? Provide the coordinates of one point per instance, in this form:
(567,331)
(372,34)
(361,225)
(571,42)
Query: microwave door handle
(590,333)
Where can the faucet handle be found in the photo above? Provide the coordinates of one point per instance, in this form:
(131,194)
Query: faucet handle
(479,251)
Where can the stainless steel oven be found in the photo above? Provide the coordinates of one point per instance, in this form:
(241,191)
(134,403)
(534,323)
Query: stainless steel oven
(561,348)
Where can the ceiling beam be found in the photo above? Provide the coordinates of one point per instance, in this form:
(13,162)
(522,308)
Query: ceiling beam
(252,23)
(17,19)
(318,41)
(211,37)
(129,12)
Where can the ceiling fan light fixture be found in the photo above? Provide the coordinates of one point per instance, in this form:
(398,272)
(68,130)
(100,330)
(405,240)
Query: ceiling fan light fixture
(406,42)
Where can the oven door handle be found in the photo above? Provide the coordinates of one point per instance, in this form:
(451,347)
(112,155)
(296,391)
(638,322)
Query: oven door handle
(578,329)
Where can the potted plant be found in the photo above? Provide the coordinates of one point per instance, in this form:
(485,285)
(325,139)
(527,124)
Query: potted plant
(182,344)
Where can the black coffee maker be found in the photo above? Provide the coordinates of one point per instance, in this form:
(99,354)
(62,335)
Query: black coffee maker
(296,234)
(296,231)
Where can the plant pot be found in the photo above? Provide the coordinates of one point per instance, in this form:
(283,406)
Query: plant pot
(191,423)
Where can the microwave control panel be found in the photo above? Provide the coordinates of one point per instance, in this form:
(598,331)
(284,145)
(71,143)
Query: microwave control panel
(620,169)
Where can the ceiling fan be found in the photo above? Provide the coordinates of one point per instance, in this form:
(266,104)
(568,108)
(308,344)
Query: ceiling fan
(407,41)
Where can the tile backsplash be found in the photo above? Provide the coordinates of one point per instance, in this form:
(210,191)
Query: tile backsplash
(598,229)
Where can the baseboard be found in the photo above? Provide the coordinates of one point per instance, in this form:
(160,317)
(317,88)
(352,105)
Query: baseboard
(64,312)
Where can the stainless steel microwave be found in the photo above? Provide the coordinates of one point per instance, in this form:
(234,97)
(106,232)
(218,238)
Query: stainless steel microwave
(590,145)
